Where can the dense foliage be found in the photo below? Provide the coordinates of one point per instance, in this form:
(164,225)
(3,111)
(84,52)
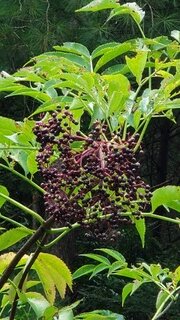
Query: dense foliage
(29,28)
(80,150)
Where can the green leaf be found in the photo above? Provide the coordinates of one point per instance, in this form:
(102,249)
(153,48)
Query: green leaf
(74,47)
(4,191)
(37,302)
(97,257)
(161,297)
(136,118)
(100,267)
(155,270)
(116,265)
(8,124)
(168,196)
(137,64)
(68,309)
(113,253)
(12,236)
(49,313)
(100,315)
(141,229)
(126,291)
(112,53)
(176,275)
(32,163)
(20,156)
(79,61)
(129,273)
(27,74)
(117,69)
(176,35)
(53,104)
(98,5)
(84,270)
(100,50)
(40,96)
(13,288)
(65,315)
(129,8)
(117,82)
(136,285)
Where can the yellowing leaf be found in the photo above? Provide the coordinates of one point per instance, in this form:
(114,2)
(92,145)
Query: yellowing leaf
(58,270)
(5,260)
(176,275)
(46,280)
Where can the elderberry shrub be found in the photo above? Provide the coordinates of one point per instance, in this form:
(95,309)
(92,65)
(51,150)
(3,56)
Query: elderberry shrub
(95,185)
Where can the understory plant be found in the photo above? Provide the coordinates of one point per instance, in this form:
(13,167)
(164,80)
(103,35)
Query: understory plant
(91,177)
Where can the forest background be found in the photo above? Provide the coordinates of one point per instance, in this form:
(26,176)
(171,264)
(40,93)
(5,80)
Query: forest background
(28,28)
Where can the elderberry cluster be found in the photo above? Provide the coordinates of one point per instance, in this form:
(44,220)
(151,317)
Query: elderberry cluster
(95,184)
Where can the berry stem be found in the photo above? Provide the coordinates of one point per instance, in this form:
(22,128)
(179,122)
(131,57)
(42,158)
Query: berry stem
(32,183)
(64,233)
(62,229)
(142,134)
(25,209)
(15,223)
(157,216)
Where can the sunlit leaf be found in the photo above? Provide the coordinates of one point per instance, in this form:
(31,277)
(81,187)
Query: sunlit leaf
(100,50)
(40,96)
(137,64)
(97,5)
(12,236)
(60,273)
(129,273)
(65,315)
(161,297)
(32,163)
(46,280)
(112,53)
(176,35)
(176,275)
(4,191)
(73,47)
(5,259)
(168,196)
(37,302)
(126,291)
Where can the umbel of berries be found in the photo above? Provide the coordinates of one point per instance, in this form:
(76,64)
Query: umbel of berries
(89,179)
